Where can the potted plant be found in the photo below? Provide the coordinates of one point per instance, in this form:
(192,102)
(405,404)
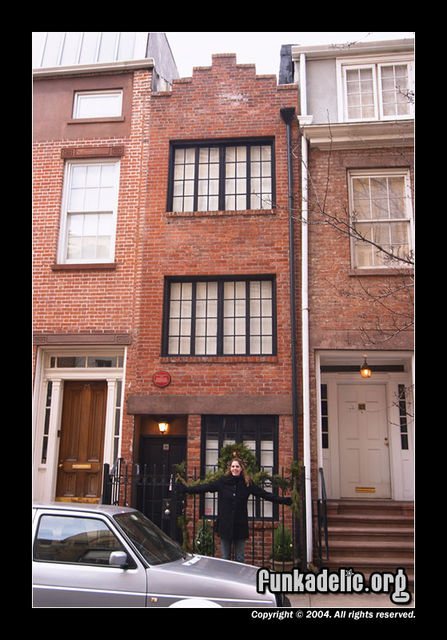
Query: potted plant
(204,541)
(282,555)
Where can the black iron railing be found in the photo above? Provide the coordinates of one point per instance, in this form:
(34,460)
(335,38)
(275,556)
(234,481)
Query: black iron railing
(186,518)
(322,530)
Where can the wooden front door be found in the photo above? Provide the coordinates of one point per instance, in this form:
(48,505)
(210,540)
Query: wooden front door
(82,441)
(363,432)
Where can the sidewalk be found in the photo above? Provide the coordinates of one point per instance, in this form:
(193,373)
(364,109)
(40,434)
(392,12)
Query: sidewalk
(340,601)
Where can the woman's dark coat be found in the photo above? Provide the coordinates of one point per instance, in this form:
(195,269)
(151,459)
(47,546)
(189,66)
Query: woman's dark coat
(233,494)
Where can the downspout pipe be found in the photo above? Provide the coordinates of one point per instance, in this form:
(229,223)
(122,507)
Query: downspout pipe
(288,114)
(305,308)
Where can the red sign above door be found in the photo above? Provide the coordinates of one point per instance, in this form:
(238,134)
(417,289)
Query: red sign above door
(161,378)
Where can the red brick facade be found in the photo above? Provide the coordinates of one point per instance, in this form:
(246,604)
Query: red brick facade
(224,101)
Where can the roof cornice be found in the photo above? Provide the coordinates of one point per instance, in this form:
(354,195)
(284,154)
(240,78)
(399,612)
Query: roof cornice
(95,68)
(357,48)
(364,135)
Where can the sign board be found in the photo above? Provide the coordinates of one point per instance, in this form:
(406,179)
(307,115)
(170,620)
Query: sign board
(161,378)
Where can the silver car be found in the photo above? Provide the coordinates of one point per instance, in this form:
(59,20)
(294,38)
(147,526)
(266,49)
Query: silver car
(104,556)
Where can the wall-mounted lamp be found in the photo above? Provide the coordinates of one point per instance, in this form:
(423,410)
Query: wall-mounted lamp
(365,370)
(163,427)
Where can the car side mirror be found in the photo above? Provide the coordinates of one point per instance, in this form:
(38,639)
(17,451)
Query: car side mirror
(119,559)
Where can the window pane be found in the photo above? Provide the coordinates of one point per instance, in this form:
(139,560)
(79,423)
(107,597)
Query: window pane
(74,540)
(395,85)
(360,93)
(97,105)
(179,338)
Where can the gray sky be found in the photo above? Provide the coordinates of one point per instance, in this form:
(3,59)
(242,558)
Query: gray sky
(262,48)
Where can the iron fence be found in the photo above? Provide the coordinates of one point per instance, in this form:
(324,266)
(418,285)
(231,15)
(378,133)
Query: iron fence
(189,518)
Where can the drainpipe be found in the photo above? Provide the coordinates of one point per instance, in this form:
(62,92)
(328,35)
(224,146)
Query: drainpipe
(305,311)
(288,114)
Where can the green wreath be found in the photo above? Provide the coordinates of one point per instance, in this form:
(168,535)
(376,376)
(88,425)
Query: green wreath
(241,451)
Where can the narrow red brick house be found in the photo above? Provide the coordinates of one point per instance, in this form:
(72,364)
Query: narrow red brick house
(162,268)
(214,299)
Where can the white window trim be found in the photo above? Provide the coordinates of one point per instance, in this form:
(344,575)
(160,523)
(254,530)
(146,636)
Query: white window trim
(79,95)
(370,173)
(342,64)
(63,235)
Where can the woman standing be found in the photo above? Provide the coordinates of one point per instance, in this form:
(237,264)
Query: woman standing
(233,490)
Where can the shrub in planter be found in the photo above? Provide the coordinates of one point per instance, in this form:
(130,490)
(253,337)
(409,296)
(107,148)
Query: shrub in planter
(282,555)
(204,541)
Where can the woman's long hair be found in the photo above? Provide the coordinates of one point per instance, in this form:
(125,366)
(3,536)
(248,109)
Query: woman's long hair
(243,470)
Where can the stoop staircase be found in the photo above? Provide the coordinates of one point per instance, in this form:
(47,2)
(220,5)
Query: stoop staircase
(370,536)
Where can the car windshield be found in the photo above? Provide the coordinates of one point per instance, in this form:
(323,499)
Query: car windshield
(153,544)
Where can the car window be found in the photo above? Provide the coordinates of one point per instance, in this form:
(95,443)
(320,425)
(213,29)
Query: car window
(74,539)
(153,544)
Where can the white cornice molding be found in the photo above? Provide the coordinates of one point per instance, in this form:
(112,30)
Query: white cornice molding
(95,68)
(365,135)
(357,48)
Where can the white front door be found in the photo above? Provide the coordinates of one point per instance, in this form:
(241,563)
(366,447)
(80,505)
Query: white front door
(363,434)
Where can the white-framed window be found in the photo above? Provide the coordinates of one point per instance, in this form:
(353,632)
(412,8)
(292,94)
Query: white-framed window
(97,104)
(381,213)
(89,211)
(376,90)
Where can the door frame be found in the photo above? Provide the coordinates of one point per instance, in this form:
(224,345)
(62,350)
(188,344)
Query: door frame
(45,472)
(401,461)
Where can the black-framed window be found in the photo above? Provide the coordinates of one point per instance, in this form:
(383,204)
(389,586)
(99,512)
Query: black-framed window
(260,434)
(221,175)
(220,316)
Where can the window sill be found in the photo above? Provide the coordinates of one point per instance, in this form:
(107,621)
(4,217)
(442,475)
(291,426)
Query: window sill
(79,266)
(220,214)
(363,273)
(218,359)
(95,120)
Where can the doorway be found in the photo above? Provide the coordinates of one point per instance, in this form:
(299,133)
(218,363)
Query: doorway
(363,441)
(81,441)
(157,458)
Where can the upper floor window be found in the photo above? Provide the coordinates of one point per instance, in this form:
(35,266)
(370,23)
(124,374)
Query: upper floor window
(89,211)
(228,316)
(221,176)
(97,104)
(376,91)
(380,208)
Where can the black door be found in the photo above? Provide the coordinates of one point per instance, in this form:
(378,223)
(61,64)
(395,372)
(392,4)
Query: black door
(155,498)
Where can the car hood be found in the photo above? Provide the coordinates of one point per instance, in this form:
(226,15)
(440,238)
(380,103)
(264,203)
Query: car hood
(204,577)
